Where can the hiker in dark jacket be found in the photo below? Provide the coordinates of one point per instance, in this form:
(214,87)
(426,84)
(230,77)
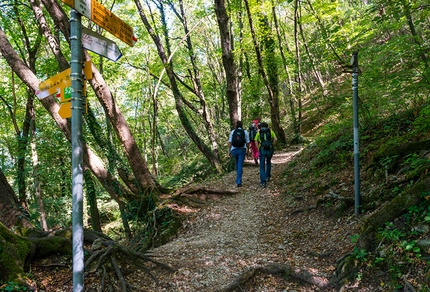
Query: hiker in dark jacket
(238,141)
(265,140)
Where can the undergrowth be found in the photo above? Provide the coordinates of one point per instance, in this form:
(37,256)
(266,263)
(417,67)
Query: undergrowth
(393,158)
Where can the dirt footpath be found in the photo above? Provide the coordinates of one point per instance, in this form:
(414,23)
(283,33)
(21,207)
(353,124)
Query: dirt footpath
(239,240)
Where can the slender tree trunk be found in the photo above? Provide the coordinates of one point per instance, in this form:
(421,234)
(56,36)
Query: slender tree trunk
(289,91)
(228,62)
(36,182)
(416,37)
(196,81)
(269,81)
(298,130)
(317,74)
(186,123)
(281,45)
(323,31)
(23,136)
(22,146)
(92,201)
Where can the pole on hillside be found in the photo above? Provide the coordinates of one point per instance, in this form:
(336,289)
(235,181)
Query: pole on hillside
(354,63)
(77,156)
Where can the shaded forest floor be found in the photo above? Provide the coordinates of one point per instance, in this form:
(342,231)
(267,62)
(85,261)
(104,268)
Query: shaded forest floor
(238,242)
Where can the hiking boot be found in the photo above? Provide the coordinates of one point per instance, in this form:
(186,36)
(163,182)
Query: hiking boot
(263,185)
(239,185)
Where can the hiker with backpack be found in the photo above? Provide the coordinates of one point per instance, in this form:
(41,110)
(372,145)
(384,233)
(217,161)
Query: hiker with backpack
(265,139)
(238,141)
(253,129)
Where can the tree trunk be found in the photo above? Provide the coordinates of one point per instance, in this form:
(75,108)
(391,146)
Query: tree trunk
(168,66)
(269,80)
(197,85)
(324,34)
(36,183)
(14,251)
(228,62)
(281,45)
(11,214)
(92,201)
(317,74)
(416,37)
(298,130)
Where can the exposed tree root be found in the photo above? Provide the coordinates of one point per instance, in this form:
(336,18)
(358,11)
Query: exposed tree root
(201,190)
(196,197)
(286,270)
(110,251)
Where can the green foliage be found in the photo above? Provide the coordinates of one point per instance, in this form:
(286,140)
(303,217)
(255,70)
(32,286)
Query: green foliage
(398,242)
(422,122)
(12,286)
(195,171)
(334,148)
(360,254)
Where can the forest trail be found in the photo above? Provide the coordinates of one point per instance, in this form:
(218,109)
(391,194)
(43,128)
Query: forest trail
(234,235)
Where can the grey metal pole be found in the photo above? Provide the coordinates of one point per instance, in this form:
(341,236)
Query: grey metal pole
(77,156)
(354,63)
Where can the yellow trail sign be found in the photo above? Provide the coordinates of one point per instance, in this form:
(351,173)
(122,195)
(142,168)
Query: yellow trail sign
(60,81)
(101,16)
(65,110)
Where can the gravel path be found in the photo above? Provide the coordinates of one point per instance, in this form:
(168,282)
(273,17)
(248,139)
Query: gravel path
(250,229)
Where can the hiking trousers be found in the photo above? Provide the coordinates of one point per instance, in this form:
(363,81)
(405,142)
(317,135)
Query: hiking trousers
(239,156)
(265,165)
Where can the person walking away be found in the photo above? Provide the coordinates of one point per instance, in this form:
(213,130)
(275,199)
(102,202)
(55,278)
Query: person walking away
(238,141)
(265,140)
(253,147)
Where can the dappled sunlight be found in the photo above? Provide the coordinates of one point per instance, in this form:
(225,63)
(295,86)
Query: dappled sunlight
(284,157)
(182,209)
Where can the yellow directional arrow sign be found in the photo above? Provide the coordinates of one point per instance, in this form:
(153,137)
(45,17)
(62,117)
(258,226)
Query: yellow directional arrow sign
(60,81)
(65,110)
(104,18)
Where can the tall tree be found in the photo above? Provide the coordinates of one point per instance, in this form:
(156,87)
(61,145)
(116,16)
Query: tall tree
(194,73)
(269,75)
(228,60)
(299,81)
(166,60)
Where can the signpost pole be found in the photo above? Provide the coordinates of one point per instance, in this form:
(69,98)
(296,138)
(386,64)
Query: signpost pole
(354,63)
(77,153)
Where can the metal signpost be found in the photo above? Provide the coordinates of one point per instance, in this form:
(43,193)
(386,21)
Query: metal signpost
(77,155)
(73,78)
(107,20)
(354,64)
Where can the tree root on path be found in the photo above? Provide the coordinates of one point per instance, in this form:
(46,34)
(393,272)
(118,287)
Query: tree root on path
(273,269)
(108,255)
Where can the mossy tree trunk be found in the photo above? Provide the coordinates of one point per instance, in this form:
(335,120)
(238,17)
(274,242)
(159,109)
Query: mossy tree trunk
(17,252)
